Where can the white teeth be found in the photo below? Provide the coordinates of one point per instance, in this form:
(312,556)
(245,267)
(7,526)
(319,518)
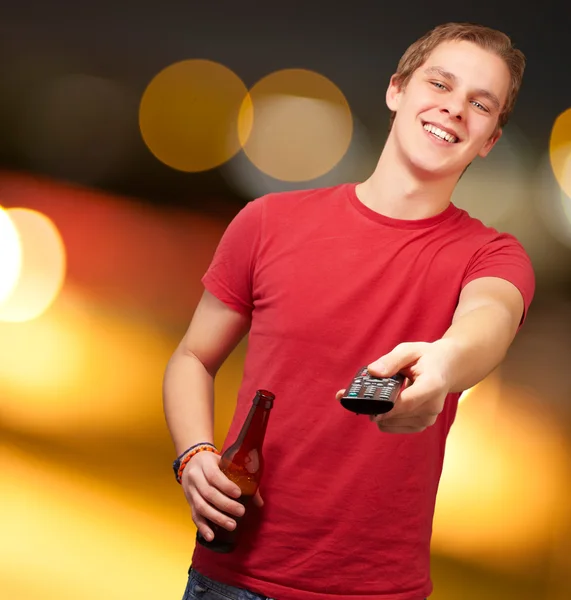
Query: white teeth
(441,134)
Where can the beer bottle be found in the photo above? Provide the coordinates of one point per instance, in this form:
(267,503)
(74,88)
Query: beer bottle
(243,464)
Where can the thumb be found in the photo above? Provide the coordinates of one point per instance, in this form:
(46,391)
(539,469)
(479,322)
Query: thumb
(257,499)
(398,358)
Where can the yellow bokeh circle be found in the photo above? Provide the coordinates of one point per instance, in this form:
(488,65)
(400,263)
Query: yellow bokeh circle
(10,255)
(295,125)
(42,270)
(560,150)
(188,115)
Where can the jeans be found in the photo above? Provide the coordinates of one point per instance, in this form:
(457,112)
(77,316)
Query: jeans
(200,587)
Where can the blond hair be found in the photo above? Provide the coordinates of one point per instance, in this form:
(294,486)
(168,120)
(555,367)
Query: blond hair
(489,39)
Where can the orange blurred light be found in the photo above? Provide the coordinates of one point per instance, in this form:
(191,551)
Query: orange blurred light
(189,113)
(296,125)
(560,150)
(69,529)
(43,266)
(78,365)
(464,395)
(504,473)
(10,255)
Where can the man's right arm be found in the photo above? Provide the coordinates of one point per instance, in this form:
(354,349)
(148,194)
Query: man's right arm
(188,399)
(188,386)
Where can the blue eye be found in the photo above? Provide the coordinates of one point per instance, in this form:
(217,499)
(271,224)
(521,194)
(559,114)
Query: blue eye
(438,85)
(479,106)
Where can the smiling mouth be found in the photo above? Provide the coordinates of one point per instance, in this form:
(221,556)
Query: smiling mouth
(440,134)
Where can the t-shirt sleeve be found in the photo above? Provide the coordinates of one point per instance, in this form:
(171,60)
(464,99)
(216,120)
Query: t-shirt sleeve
(230,274)
(506,258)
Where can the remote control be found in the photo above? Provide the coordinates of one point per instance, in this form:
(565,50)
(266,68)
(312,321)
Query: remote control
(370,395)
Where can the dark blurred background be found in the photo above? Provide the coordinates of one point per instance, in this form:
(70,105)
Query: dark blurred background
(127,145)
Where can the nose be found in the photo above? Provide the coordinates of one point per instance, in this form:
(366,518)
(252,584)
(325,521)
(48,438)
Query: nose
(453,107)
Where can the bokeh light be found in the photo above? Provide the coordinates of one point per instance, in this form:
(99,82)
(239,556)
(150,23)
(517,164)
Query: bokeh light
(560,150)
(505,470)
(356,165)
(10,255)
(296,125)
(78,126)
(188,115)
(87,368)
(43,266)
(53,348)
(79,525)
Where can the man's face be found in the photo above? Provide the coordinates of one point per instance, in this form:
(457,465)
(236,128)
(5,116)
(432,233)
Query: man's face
(448,112)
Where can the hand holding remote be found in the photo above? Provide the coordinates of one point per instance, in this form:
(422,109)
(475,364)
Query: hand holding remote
(417,404)
(370,395)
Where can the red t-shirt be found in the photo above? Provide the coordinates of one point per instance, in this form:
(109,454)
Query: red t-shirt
(331,286)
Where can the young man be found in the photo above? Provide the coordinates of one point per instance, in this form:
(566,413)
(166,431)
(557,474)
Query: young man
(386,273)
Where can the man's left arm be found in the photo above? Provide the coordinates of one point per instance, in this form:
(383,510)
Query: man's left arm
(484,325)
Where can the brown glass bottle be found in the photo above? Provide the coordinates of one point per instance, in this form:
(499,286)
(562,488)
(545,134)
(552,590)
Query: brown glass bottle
(243,463)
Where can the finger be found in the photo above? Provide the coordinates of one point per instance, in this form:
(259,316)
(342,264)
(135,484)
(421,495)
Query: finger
(396,429)
(339,394)
(420,397)
(216,478)
(416,423)
(197,478)
(202,526)
(203,511)
(423,388)
(428,417)
(400,357)
(257,499)
(216,499)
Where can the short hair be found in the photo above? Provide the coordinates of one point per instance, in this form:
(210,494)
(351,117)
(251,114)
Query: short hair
(489,39)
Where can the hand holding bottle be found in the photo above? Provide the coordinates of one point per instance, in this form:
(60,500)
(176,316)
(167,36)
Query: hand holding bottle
(230,482)
(210,494)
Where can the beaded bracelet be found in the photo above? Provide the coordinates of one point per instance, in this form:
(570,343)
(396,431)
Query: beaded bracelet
(180,463)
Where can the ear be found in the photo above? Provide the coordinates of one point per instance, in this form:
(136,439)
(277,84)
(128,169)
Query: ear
(393,95)
(485,150)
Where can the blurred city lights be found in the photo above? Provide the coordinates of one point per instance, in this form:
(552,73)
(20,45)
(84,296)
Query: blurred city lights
(560,150)
(188,115)
(504,472)
(77,126)
(78,365)
(10,255)
(43,266)
(79,525)
(296,125)
(41,361)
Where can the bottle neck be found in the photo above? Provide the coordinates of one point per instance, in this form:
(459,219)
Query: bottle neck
(254,428)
